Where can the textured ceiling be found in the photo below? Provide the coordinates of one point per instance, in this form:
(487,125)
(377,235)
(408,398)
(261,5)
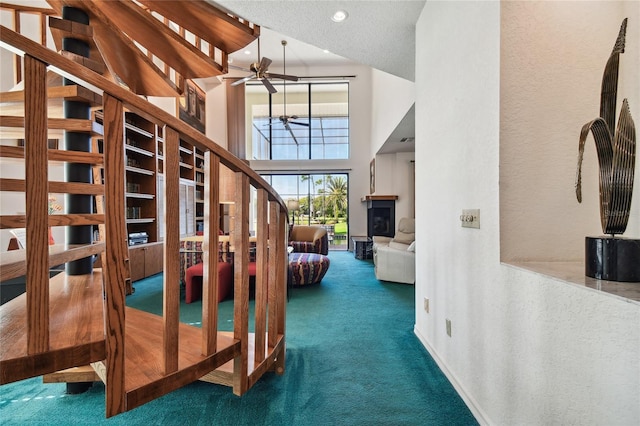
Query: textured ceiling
(380,34)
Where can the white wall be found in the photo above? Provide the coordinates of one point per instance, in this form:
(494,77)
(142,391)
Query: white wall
(395,176)
(525,349)
(553,58)
(391,98)
(216,109)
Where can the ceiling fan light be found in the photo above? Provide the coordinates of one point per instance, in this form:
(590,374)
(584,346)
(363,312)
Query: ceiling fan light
(339,16)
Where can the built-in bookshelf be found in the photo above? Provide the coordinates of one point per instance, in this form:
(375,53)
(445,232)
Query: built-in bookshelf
(141,181)
(144,153)
(199,189)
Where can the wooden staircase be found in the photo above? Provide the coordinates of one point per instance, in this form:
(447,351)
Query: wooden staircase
(73,321)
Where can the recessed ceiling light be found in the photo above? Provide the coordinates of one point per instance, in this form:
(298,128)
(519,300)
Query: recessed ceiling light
(339,16)
(326,51)
(247,52)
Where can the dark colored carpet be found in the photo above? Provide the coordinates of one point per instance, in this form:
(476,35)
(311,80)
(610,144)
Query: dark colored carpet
(352,359)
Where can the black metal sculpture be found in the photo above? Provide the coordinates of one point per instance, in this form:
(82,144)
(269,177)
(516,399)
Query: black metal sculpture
(616,152)
(611,258)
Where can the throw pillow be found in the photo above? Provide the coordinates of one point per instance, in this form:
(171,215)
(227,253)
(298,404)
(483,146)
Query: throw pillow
(412,247)
(404,237)
(398,246)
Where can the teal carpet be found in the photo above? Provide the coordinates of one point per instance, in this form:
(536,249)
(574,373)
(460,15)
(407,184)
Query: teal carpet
(352,359)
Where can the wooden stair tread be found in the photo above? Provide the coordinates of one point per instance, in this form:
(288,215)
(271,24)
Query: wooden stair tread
(76,327)
(61,28)
(61,155)
(156,37)
(69,93)
(13,263)
(144,377)
(207,22)
(70,124)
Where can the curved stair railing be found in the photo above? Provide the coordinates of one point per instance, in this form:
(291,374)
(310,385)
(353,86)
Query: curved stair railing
(69,321)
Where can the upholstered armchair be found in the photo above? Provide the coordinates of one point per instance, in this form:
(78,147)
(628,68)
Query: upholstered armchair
(394,258)
(309,239)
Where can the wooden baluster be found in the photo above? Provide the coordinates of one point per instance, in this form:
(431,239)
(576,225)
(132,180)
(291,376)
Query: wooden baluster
(210,281)
(17,60)
(115,268)
(261,276)
(282,266)
(274,214)
(171,298)
(241,282)
(37,188)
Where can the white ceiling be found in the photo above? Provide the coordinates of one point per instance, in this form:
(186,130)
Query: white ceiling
(378,33)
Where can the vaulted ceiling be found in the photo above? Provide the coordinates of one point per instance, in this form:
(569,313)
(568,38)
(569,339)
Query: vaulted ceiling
(380,34)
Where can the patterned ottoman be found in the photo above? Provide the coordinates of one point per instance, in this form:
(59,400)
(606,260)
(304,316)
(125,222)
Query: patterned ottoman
(307,268)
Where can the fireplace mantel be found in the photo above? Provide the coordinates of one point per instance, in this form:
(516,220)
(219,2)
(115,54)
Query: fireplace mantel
(379,198)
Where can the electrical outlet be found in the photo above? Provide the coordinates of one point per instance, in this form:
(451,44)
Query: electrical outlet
(449,327)
(426,305)
(470,218)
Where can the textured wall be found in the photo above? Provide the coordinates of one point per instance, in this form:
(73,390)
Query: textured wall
(525,348)
(552,59)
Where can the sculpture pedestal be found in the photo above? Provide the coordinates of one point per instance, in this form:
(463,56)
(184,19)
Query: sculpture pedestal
(612,259)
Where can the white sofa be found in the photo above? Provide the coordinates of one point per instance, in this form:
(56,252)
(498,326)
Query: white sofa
(394,258)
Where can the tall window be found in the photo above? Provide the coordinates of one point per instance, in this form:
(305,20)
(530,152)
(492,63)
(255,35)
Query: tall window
(313,125)
(320,199)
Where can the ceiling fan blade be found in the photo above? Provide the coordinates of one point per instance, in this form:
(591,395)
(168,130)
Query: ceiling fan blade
(269,86)
(282,76)
(243,80)
(286,126)
(264,64)
(235,67)
(299,123)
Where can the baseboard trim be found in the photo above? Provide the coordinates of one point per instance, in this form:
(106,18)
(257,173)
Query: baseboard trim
(477,412)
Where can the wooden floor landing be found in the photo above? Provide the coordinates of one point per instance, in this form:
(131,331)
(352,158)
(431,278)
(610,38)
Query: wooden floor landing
(77,339)
(76,329)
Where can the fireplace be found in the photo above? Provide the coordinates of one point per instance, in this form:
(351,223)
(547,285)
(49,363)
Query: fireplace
(381,215)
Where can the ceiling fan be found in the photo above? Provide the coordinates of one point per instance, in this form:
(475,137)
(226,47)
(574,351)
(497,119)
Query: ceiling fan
(285,119)
(260,71)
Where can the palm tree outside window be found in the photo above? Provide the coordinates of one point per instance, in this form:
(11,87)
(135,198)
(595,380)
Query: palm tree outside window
(322,201)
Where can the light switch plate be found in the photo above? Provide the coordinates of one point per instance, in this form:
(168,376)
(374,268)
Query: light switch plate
(470,218)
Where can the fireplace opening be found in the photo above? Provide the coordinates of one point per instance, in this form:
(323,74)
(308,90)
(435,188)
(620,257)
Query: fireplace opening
(381,218)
